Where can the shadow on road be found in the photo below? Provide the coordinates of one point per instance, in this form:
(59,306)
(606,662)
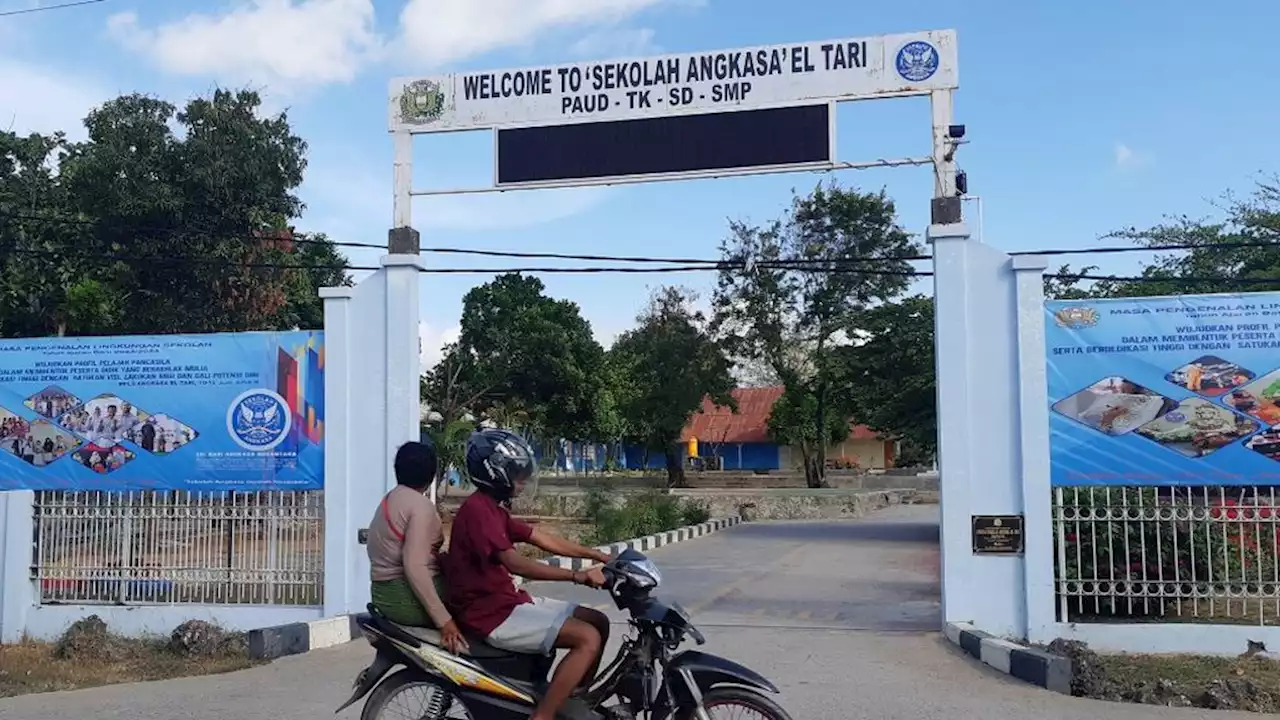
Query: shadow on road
(867,530)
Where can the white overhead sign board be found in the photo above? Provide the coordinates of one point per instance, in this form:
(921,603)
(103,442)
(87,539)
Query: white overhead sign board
(705,82)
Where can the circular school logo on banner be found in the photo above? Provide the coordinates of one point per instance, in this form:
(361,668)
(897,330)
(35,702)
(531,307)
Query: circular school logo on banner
(258,420)
(917,61)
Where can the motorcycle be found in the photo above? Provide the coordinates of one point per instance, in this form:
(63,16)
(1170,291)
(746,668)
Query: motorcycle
(650,677)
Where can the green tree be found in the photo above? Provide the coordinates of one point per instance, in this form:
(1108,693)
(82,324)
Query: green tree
(610,424)
(162,221)
(796,284)
(522,347)
(791,423)
(668,365)
(1225,255)
(450,439)
(888,377)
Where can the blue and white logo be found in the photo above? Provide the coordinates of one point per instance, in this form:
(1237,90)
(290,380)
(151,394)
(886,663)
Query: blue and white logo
(259,420)
(1175,417)
(917,61)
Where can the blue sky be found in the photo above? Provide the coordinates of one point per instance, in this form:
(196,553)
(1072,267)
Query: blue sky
(1083,117)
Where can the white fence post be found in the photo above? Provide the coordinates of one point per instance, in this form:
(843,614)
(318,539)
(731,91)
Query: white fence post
(339,530)
(1033,440)
(17,590)
(404,363)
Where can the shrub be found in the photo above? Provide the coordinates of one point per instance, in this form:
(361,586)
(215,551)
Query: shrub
(639,515)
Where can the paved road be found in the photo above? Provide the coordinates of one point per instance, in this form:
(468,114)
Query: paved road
(843,616)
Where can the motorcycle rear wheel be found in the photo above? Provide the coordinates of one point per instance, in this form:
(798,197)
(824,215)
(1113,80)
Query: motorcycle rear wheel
(406,681)
(728,697)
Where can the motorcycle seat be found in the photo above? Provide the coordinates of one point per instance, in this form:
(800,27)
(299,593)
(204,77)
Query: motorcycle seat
(476,648)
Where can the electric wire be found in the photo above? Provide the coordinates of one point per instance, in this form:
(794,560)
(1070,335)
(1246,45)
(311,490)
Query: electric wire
(46,8)
(650,265)
(713,264)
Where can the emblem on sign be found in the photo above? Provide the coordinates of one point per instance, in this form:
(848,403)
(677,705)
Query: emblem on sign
(421,102)
(258,420)
(917,61)
(1076,318)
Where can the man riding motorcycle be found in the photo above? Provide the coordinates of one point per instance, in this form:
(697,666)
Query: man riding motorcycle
(482,559)
(404,542)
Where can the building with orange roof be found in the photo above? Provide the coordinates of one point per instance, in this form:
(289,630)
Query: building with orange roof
(740,441)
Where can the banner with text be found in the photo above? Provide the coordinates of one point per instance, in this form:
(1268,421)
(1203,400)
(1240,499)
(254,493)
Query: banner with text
(1181,390)
(235,411)
(745,78)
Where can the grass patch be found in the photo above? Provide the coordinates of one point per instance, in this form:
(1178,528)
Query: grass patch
(639,514)
(88,656)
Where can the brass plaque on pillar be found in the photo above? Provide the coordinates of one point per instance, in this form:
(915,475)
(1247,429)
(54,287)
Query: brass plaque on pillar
(997,535)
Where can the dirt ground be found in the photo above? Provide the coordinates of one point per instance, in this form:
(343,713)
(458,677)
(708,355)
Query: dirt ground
(1250,682)
(32,667)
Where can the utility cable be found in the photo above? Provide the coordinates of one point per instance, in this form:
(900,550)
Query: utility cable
(46,8)
(715,263)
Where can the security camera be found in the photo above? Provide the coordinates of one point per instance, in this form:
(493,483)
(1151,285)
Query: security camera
(955,132)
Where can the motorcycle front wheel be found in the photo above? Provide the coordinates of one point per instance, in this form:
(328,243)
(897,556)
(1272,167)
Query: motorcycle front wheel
(411,695)
(723,703)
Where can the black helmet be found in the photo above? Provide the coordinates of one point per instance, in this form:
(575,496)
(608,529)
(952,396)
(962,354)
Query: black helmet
(497,460)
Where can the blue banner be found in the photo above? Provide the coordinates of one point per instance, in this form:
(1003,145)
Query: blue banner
(1180,390)
(236,411)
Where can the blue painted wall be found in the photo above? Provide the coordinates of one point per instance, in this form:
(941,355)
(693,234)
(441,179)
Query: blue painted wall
(754,456)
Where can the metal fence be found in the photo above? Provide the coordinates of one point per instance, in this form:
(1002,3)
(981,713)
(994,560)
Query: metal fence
(154,547)
(1206,554)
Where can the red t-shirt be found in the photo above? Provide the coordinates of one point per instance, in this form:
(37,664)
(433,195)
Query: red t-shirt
(482,593)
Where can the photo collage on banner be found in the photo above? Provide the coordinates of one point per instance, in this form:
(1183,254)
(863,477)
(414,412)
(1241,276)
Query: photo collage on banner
(234,411)
(1180,390)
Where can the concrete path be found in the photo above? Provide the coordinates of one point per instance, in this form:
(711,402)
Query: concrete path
(843,616)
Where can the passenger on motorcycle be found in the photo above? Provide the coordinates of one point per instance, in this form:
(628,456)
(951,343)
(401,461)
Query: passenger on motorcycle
(482,558)
(404,545)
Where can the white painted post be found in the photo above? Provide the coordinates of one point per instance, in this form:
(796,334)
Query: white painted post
(18,592)
(339,527)
(1033,409)
(402,181)
(941,105)
(976,319)
(951,330)
(404,364)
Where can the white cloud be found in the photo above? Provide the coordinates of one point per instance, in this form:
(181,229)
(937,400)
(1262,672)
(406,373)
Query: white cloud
(294,44)
(283,43)
(1126,158)
(34,98)
(431,342)
(439,32)
(616,42)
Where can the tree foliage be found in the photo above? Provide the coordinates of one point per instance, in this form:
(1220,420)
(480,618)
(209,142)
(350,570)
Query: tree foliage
(833,253)
(1235,254)
(791,423)
(163,220)
(888,377)
(664,368)
(521,355)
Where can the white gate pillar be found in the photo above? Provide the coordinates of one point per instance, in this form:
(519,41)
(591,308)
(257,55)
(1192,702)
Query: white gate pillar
(371,408)
(978,419)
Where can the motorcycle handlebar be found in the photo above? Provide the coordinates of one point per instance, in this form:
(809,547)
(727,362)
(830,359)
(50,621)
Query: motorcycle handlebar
(610,574)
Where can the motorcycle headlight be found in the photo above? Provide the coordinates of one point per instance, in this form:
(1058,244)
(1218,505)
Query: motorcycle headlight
(644,573)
